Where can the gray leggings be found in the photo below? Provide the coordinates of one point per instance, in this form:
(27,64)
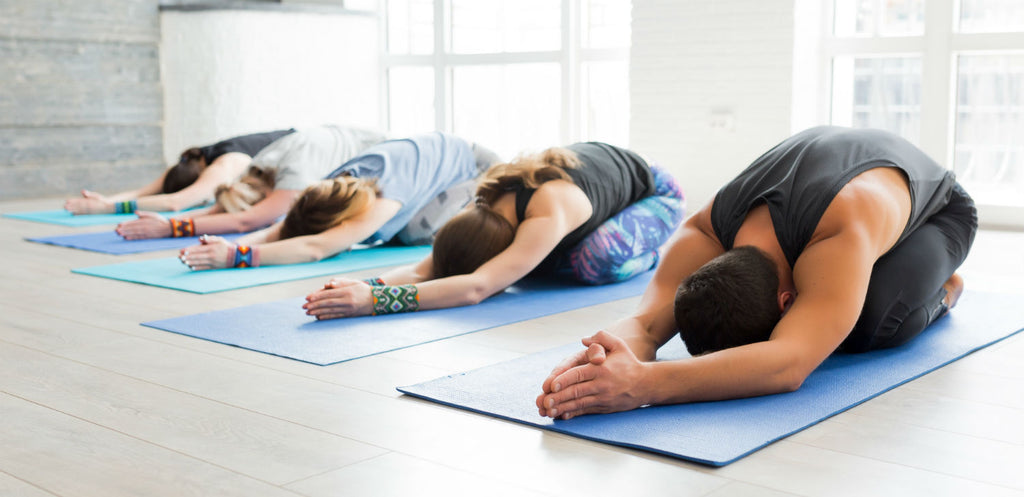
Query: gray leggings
(429,219)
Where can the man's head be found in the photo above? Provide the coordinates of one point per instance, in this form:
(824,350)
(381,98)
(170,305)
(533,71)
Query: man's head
(732,300)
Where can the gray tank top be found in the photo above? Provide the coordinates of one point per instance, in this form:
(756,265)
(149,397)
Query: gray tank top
(799,177)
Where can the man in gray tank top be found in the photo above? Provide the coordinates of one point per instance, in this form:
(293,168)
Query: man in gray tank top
(835,239)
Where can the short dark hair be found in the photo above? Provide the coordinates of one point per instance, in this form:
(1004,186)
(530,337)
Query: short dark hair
(190,165)
(730,301)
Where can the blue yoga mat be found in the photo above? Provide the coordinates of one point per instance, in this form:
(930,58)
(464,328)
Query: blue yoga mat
(171,273)
(109,242)
(282,328)
(718,433)
(65,218)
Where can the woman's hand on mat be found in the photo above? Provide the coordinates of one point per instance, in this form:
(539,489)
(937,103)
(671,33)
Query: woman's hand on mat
(89,203)
(148,225)
(603,378)
(213,252)
(340,298)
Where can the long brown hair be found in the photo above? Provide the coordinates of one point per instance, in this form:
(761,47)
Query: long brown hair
(528,171)
(190,165)
(478,233)
(327,204)
(251,188)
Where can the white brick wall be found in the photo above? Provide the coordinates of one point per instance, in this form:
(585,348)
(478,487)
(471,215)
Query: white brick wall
(711,86)
(227,73)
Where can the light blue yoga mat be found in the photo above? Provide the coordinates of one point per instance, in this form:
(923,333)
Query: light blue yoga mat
(282,328)
(109,242)
(718,433)
(171,273)
(65,218)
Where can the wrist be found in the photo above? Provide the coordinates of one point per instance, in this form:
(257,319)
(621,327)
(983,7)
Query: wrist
(126,207)
(244,256)
(182,227)
(389,299)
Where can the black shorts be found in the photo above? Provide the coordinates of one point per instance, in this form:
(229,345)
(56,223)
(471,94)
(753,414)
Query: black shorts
(905,294)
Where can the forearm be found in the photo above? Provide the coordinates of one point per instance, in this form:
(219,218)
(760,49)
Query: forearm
(238,222)
(454,291)
(762,368)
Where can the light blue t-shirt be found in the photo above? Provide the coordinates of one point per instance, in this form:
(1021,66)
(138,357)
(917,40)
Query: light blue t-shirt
(412,171)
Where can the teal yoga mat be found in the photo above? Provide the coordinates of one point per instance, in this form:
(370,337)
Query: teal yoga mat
(171,273)
(65,218)
(282,328)
(718,433)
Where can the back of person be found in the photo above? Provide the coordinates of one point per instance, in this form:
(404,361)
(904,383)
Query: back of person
(310,154)
(798,179)
(412,171)
(249,145)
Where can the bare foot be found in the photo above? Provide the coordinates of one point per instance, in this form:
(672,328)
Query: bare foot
(954,287)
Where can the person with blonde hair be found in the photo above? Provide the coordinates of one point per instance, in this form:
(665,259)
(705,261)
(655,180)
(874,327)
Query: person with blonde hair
(189,183)
(399,190)
(590,211)
(265,192)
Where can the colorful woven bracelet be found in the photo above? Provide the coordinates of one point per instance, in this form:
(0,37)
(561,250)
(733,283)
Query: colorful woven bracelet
(183,227)
(389,299)
(126,207)
(246,256)
(374,282)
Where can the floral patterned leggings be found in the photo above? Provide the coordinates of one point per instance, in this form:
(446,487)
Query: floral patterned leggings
(627,243)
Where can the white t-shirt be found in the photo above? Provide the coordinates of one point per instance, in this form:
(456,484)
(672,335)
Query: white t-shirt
(309,155)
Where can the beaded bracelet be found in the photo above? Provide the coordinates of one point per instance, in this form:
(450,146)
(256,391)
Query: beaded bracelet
(374,282)
(183,227)
(389,299)
(126,207)
(245,256)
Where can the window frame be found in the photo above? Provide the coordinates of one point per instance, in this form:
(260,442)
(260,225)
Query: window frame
(939,46)
(571,57)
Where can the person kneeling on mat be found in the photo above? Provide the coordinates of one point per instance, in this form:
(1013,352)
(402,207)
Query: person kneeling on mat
(591,211)
(835,239)
(399,190)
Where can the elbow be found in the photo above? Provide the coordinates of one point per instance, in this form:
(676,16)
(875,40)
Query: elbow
(790,382)
(791,377)
(476,294)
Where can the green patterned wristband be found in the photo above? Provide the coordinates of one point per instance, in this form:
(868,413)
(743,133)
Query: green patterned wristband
(374,282)
(126,207)
(389,299)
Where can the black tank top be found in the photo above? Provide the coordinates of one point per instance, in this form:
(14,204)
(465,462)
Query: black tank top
(612,178)
(799,177)
(247,144)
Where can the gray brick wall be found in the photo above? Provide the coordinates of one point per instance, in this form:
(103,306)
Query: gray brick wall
(81,105)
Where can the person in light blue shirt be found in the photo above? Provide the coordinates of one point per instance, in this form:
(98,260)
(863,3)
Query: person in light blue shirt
(399,190)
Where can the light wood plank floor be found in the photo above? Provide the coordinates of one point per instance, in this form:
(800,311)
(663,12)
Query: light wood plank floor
(92,404)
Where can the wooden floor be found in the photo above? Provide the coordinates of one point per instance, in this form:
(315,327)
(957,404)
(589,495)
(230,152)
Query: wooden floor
(92,404)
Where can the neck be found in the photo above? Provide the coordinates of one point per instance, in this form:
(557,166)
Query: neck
(757,230)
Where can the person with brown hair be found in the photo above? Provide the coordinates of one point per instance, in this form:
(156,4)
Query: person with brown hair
(835,239)
(399,190)
(590,211)
(276,176)
(189,183)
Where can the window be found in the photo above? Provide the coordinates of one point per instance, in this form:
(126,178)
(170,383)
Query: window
(514,75)
(947,75)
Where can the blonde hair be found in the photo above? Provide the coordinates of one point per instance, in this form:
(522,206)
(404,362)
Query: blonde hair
(247,191)
(327,204)
(528,171)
